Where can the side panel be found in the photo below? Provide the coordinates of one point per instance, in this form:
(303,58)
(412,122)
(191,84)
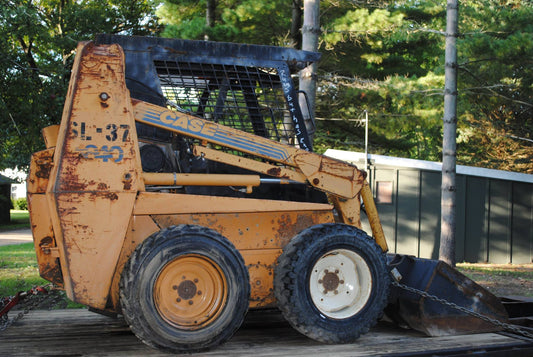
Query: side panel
(430,214)
(476,225)
(460,217)
(386,210)
(41,222)
(522,244)
(96,174)
(408,212)
(500,222)
(43,240)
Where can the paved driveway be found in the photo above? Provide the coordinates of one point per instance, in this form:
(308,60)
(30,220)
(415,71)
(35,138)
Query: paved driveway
(16,237)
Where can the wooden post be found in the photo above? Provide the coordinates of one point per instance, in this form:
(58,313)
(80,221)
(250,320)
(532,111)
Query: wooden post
(448,189)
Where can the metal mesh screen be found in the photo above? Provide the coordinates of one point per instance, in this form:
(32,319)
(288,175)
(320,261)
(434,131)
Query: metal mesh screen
(245,98)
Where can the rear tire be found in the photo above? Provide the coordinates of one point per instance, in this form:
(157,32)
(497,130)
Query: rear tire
(332,283)
(185,289)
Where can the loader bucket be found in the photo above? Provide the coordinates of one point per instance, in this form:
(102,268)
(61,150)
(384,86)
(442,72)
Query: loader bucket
(437,318)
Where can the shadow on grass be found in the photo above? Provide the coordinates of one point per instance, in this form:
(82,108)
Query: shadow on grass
(18,220)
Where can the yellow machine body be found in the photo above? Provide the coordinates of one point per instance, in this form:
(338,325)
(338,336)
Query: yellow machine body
(90,208)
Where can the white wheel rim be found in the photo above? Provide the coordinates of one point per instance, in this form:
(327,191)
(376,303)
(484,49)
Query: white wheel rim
(340,283)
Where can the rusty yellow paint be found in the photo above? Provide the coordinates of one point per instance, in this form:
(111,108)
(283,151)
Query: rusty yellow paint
(268,230)
(40,167)
(50,136)
(96,173)
(44,240)
(176,179)
(258,166)
(139,228)
(349,210)
(164,203)
(261,264)
(330,175)
(373,217)
(41,222)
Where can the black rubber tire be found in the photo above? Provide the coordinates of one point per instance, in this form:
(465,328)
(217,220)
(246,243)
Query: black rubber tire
(292,282)
(138,281)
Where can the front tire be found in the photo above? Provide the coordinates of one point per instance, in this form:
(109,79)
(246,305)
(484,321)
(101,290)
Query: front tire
(332,283)
(185,289)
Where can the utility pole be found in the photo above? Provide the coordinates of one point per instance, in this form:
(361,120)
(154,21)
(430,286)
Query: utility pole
(310,33)
(449,188)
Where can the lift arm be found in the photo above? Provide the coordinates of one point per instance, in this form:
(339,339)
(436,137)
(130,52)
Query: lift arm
(343,183)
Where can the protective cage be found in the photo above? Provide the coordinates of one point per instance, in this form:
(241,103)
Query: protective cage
(246,87)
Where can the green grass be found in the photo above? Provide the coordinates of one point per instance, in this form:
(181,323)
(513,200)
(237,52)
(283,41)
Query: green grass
(19,220)
(501,279)
(497,271)
(19,270)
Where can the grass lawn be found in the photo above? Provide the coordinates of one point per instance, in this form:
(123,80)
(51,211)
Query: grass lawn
(501,279)
(19,271)
(19,220)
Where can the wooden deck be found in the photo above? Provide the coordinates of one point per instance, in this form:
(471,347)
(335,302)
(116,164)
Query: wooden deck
(83,333)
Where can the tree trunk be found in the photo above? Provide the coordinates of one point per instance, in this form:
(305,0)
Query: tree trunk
(211,6)
(310,33)
(296,23)
(448,197)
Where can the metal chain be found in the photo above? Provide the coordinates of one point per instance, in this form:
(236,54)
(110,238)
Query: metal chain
(507,327)
(50,300)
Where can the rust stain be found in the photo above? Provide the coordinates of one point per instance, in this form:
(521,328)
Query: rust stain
(275,171)
(67,211)
(127,181)
(102,186)
(52,272)
(261,280)
(112,196)
(173,50)
(49,268)
(44,167)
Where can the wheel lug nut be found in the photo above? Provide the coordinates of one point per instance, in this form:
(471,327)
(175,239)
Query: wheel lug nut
(178,300)
(195,280)
(175,287)
(190,302)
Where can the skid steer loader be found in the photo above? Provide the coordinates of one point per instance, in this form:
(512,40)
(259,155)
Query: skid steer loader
(180,190)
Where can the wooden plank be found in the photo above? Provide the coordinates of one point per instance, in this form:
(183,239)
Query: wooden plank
(83,333)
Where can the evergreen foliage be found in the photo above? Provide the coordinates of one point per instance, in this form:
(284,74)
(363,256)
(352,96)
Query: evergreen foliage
(37,43)
(386,57)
